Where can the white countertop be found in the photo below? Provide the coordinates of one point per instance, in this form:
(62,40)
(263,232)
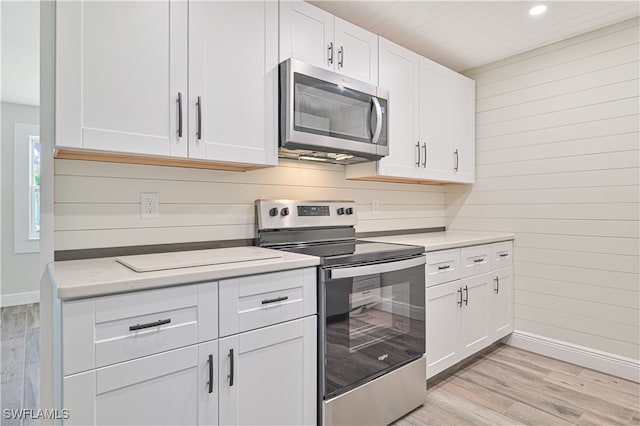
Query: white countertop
(78,279)
(434,241)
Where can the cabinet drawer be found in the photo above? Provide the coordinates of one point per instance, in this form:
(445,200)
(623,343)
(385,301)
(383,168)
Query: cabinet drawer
(252,302)
(108,330)
(442,266)
(475,260)
(501,255)
(133,325)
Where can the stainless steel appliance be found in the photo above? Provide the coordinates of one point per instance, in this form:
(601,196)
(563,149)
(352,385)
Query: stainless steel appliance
(326,116)
(371,301)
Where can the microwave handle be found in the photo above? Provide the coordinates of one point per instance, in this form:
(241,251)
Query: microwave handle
(376,133)
(378,268)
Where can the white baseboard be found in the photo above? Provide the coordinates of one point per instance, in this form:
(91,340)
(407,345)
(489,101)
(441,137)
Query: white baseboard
(19,298)
(594,359)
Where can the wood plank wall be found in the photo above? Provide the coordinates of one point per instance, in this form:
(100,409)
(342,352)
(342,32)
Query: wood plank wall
(557,164)
(98,204)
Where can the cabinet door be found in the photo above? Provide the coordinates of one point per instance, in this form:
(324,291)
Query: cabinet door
(502,303)
(443,318)
(356,52)
(119,69)
(462,109)
(474,319)
(208,381)
(233,79)
(155,390)
(437,161)
(399,74)
(268,376)
(306,34)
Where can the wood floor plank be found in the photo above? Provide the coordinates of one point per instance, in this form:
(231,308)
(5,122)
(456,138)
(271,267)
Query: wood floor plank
(621,399)
(635,420)
(531,416)
(532,360)
(476,414)
(478,395)
(612,382)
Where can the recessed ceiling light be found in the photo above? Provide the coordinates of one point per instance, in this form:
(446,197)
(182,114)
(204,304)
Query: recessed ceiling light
(537,10)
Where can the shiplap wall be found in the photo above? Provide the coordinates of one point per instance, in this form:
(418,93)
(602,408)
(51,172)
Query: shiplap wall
(98,204)
(557,164)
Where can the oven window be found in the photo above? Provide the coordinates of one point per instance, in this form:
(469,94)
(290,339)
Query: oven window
(377,313)
(372,325)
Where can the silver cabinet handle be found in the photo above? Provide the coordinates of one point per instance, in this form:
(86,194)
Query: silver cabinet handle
(497,280)
(455,153)
(149,324)
(379,268)
(199,117)
(441,268)
(418,149)
(478,260)
(504,254)
(341,57)
(466,293)
(179,100)
(330,49)
(460,293)
(376,132)
(424,150)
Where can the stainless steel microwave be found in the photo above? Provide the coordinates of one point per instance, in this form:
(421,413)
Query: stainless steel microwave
(325,116)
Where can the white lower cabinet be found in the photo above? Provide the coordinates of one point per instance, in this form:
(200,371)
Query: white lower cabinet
(268,376)
(465,315)
(502,302)
(141,391)
(167,365)
(458,323)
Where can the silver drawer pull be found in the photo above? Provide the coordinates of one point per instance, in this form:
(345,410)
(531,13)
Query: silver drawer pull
(277,299)
(478,260)
(149,324)
(440,268)
(504,254)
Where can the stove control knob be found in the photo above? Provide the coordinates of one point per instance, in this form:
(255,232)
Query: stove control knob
(349,210)
(284,211)
(273,211)
(340,210)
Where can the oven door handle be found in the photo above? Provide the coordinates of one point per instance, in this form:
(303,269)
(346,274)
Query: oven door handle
(378,268)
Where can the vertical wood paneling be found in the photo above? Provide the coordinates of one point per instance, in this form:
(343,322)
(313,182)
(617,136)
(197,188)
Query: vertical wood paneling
(98,204)
(558,160)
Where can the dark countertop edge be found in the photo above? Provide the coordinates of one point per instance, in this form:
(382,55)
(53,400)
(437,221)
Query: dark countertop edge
(92,253)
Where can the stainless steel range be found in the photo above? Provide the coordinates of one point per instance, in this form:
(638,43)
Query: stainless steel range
(371,313)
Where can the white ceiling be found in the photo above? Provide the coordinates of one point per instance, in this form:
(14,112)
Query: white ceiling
(20,52)
(465,34)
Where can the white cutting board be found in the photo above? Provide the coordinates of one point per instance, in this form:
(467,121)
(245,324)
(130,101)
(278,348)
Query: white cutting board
(190,259)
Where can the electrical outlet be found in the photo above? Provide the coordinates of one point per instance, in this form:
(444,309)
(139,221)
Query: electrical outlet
(375,206)
(149,205)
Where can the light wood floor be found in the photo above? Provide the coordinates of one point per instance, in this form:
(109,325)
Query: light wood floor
(508,386)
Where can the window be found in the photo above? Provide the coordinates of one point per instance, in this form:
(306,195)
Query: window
(26,188)
(34,187)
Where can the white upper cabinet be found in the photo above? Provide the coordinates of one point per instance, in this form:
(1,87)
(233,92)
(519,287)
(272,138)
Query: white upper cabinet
(434,139)
(233,81)
(399,74)
(316,37)
(119,69)
(193,79)
(461,130)
(356,52)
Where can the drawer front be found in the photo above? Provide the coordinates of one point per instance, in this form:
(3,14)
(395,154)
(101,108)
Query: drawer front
(501,255)
(252,302)
(137,324)
(475,260)
(442,266)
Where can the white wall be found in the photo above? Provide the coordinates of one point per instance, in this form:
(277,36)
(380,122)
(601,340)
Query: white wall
(557,164)
(98,204)
(20,272)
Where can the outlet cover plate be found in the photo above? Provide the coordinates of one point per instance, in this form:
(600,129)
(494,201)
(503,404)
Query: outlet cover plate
(149,205)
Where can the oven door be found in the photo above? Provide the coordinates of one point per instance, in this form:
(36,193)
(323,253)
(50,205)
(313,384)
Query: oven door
(373,321)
